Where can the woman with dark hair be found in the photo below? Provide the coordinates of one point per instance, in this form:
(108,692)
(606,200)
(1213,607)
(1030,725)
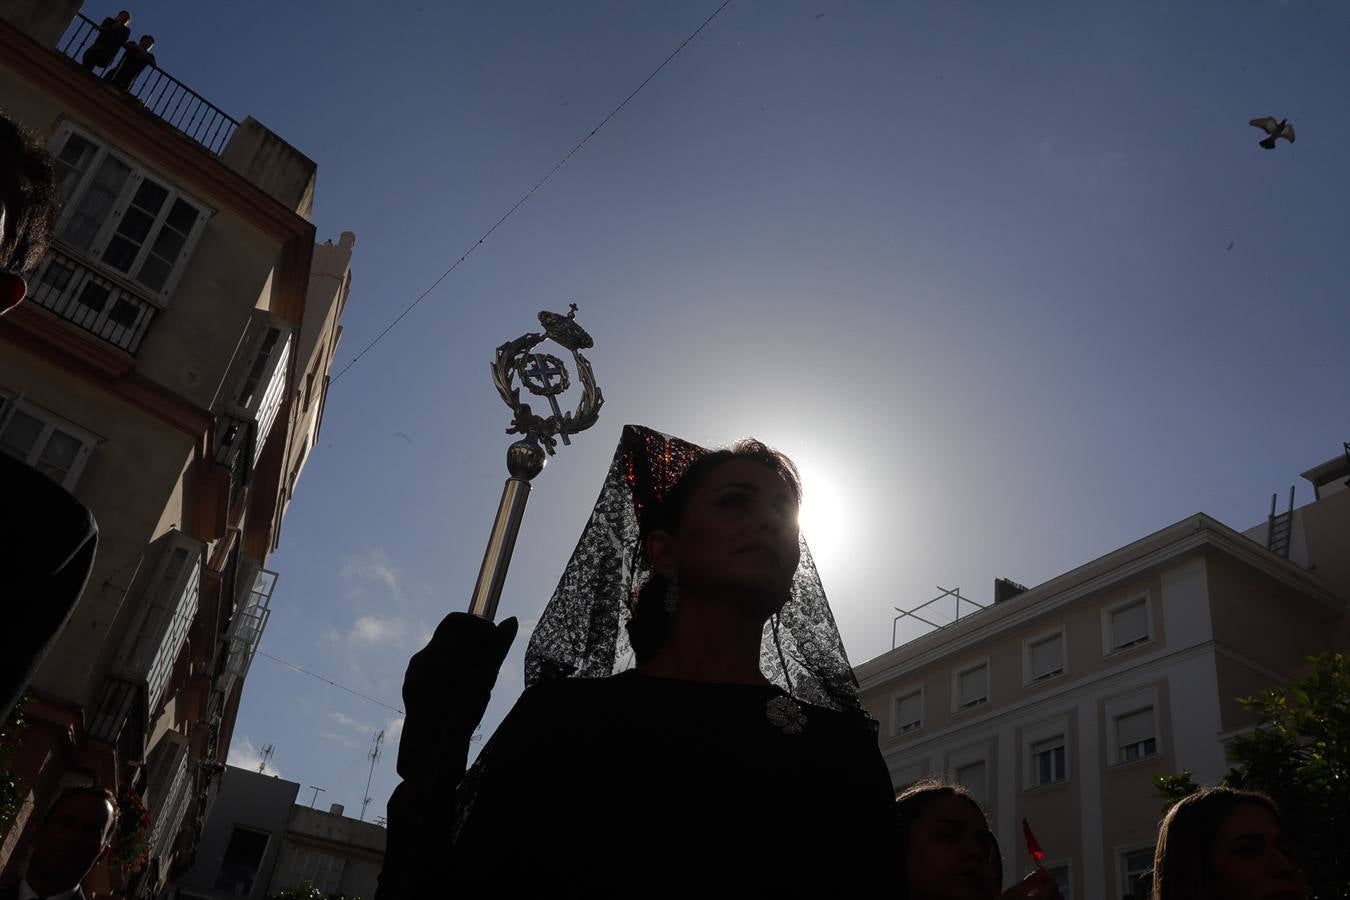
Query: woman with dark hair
(1224,844)
(733,753)
(947,851)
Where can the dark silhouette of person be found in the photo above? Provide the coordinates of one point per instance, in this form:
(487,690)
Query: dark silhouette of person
(696,772)
(47,537)
(72,838)
(112,34)
(135,58)
(445,694)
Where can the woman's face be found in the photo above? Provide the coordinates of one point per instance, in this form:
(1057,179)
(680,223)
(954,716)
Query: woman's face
(1250,859)
(950,853)
(738,535)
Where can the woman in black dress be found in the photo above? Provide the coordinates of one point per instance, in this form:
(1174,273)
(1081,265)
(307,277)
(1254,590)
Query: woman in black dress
(734,755)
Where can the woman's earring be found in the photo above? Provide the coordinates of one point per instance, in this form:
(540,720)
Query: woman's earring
(673,594)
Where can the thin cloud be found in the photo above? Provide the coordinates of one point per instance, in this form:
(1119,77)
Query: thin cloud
(244,755)
(339,739)
(348,722)
(371,568)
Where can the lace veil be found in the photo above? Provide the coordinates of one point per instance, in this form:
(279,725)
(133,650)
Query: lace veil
(582,633)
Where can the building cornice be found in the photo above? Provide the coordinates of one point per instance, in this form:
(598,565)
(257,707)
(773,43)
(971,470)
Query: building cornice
(1151,552)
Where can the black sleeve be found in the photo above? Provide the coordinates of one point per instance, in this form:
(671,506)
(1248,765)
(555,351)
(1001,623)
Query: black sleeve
(47,544)
(513,804)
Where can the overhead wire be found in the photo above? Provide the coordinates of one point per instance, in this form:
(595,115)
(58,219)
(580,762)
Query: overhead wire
(540,183)
(341,687)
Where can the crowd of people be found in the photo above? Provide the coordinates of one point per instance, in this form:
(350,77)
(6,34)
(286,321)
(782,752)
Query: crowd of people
(690,721)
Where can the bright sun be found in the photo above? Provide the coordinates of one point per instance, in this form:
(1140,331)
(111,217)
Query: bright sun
(822,516)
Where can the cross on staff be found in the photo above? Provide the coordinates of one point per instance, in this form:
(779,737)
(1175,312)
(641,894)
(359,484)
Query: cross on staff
(544,372)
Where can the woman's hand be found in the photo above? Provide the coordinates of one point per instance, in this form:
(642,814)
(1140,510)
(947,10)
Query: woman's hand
(1036,886)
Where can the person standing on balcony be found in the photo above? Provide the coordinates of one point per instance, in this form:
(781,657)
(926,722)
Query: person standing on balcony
(47,537)
(134,61)
(112,34)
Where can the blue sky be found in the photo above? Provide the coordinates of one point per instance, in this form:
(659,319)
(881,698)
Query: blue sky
(968,262)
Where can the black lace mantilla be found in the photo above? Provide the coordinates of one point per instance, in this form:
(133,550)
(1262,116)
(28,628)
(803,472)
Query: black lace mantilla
(582,633)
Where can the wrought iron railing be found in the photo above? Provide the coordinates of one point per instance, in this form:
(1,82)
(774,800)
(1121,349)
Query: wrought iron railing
(165,96)
(79,294)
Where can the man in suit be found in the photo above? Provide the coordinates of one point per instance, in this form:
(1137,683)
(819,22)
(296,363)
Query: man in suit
(75,836)
(47,536)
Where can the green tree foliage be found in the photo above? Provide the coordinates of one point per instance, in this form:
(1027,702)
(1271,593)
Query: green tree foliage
(1299,754)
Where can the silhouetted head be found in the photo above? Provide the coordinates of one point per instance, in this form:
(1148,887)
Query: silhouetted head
(28,195)
(946,850)
(726,532)
(146,43)
(1224,844)
(75,834)
(123,18)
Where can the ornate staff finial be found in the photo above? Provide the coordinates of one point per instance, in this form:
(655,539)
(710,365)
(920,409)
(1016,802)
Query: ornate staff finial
(543,375)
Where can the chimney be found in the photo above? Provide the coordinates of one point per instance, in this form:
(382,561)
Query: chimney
(1006,590)
(336,809)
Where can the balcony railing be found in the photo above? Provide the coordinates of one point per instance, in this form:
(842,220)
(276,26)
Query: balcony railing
(96,303)
(165,96)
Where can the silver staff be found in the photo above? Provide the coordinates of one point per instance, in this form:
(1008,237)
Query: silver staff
(543,375)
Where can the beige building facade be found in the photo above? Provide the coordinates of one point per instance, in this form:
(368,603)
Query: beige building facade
(1059,704)
(170,368)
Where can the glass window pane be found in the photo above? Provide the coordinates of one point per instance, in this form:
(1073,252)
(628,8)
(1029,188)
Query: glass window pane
(1047,657)
(169,244)
(71,164)
(121,253)
(60,451)
(21,434)
(972,686)
(908,711)
(136,225)
(97,202)
(1129,624)
(1134,728)
(182,217)
(1062,879)
(150,196)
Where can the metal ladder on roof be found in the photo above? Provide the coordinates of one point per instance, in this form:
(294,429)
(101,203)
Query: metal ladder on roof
(1280,526)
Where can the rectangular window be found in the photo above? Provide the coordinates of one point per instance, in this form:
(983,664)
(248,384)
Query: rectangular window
(54,447)
(1136,868)
(1129,624)
(972,686)
(258,376)
(975,778)
(1064,878)
(116,212)
(168,606)
(1049,761)
(908,712)
(1047,657)
(243,856)
(1135,737)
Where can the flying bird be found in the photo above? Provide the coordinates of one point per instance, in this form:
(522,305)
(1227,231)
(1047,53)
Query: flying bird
(399,434)
(1280,129)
